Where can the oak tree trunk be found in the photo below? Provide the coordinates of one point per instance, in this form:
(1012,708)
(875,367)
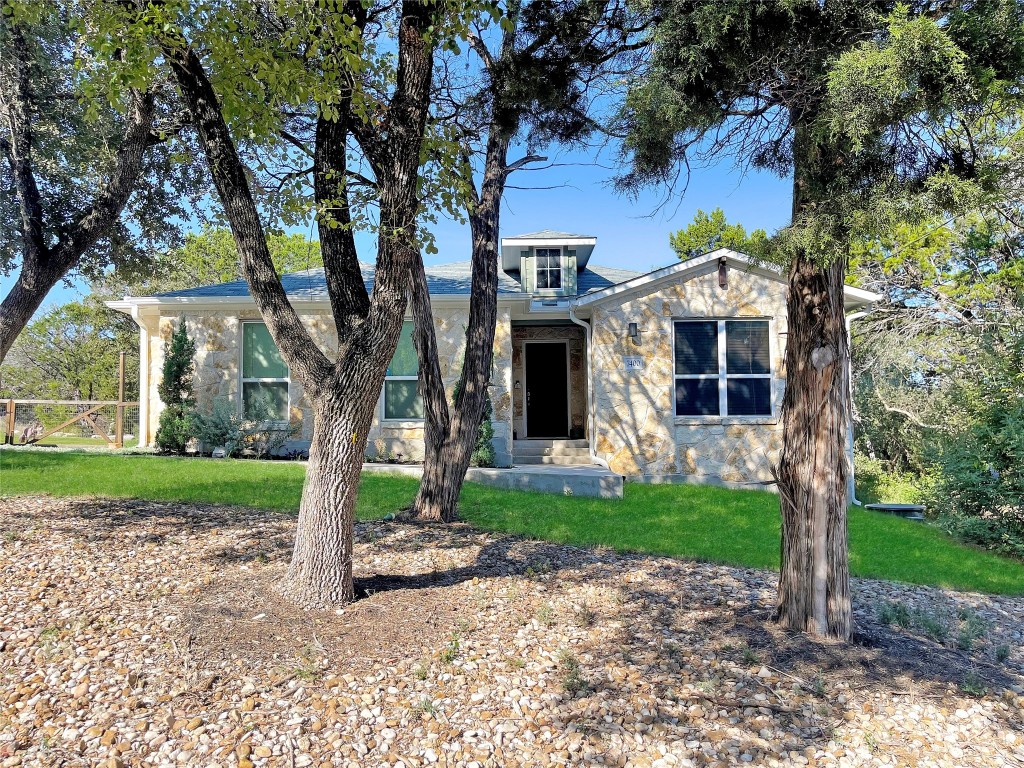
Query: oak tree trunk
(450,437)
(343,393)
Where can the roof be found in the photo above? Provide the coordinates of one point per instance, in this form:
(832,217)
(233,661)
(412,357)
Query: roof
(854,298)
(442,280)
(550,234)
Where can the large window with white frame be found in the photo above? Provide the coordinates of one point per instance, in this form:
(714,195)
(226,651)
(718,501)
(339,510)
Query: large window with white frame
(722,368)
(402,400)
(265,376)
(549,268)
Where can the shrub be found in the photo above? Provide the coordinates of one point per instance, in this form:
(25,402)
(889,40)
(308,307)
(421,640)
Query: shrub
(483,452)
(258,434)
(175,390)
(878,482)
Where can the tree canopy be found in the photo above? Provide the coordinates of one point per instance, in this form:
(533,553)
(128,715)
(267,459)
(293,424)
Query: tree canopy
(709,231)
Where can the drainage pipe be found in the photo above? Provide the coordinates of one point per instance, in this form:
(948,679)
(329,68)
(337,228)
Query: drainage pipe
(851,485)
(589,352)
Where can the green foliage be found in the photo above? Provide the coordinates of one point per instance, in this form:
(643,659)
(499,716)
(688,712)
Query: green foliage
(175,390)
(175,387)
(71,352)
(175,429)
(258,433)
(877,482)
(874,108)
(78,94)
(483,452)
(710,231)
(211,257)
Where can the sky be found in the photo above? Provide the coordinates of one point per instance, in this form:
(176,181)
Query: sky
(576,196)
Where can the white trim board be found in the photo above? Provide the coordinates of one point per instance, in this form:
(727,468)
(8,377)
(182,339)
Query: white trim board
(855,298)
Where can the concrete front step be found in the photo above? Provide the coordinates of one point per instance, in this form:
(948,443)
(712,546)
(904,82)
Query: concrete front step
(591,481)
(574,460)
(550,448)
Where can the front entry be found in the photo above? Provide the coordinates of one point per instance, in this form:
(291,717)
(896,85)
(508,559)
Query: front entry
(547,388)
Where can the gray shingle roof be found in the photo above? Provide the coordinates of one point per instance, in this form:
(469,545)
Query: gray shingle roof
(442,280)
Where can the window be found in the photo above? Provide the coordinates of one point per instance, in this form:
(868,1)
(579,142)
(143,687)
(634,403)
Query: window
(401,384)
(549,269)
(722,368)
(264,375)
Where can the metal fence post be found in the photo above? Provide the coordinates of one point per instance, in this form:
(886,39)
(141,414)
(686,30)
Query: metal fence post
(119,427)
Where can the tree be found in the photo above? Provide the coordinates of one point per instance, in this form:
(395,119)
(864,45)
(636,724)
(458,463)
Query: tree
(281,78)
(710,231)
(75,161)
(71,353)
(862,103)
(536,79)
(210,257)
(175,390)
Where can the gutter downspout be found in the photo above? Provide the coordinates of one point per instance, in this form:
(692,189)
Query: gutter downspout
(143,429)
(851,486)
(591,437)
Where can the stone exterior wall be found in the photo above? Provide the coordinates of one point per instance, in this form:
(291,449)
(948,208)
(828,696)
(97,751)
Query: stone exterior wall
(637,431)
(576,337)
(218,358)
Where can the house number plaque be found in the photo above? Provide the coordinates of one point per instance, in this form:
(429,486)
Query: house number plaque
(633,363)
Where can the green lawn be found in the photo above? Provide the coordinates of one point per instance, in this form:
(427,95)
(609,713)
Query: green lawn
(699,522)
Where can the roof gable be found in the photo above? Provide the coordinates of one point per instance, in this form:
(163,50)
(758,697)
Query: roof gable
(854,298)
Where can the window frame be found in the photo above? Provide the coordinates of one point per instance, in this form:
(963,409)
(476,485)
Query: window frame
(548,270)
(723,376)
(391,420)
(243,379)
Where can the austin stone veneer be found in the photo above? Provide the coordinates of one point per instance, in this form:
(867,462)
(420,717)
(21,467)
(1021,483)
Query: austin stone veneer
(636,429)
(218,342)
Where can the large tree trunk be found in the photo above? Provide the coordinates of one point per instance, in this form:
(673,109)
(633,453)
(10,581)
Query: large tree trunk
(814,579)
(814,583)
(450,438)
(344,393)
(320,572)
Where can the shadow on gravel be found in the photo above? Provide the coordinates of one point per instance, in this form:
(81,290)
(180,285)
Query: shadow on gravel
(689,638)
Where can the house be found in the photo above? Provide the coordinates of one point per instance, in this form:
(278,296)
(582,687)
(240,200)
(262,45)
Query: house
(671,374)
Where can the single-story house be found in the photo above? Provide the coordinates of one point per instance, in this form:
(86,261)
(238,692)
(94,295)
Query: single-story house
(676,373)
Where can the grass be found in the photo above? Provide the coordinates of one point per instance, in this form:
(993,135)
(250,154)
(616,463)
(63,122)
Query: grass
(689,521)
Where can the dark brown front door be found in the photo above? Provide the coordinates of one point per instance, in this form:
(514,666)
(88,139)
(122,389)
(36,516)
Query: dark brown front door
(547,389)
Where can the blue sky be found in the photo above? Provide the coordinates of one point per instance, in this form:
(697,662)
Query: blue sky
(631,234)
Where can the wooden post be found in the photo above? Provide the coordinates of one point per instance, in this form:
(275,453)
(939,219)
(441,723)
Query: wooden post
(119,427)
(9,437)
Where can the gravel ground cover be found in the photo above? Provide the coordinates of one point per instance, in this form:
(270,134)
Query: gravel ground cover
(148,634)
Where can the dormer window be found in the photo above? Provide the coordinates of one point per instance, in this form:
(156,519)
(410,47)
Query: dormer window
(549,269)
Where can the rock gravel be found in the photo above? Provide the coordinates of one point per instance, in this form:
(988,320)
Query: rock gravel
(147,634)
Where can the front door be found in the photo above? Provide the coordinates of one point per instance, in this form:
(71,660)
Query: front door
(547,388)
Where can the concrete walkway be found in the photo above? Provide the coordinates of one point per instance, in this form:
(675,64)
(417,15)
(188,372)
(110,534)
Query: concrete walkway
(578,480)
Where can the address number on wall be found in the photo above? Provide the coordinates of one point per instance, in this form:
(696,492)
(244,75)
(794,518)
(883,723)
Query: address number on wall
(633,363)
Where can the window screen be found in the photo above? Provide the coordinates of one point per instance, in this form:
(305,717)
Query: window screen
(402,399)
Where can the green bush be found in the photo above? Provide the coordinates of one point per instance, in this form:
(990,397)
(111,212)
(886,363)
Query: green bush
(175,430)
(877,482)
(175,390)
(258,434)
(483,452)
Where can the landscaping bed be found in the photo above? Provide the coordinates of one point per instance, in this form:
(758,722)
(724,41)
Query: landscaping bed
(146,633)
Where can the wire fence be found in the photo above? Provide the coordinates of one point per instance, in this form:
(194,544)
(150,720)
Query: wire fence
(97,423)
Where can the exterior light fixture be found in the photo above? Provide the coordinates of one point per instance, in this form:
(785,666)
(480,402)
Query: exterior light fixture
(634,333)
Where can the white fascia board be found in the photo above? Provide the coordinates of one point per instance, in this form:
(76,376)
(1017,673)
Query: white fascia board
(511,242)
(854,297)
(199,303)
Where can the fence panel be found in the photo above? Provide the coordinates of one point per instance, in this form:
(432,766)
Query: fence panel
(96,423)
